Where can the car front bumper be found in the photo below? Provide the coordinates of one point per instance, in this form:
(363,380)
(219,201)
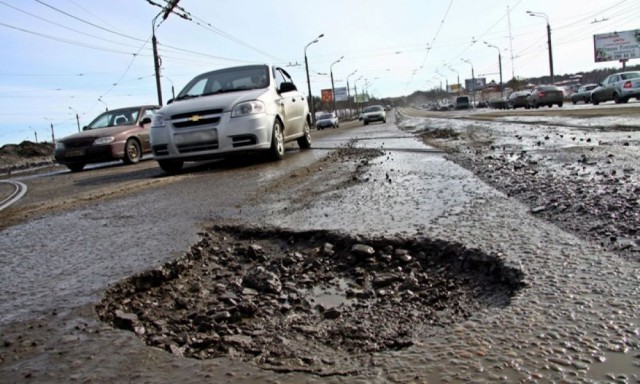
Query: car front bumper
(90,154)
(226,136)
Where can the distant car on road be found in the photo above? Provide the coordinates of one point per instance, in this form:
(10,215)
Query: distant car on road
(497,103)
(327,120)
(583,94)
(462,102)
(518,99)
(546,95)
(374,113)
(619,87)
(231,111)
(120,134)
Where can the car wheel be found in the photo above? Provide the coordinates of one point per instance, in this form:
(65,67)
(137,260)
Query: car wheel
(595,100)
(131,151)
(171,166)
(276,152)
(587,100)
(574,102)
(304,142)
(76,167)
(560,105)
(366,122)
(616,98)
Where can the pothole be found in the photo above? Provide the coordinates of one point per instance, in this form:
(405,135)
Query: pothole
(300,300)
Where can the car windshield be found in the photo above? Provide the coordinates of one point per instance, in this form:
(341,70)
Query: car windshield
(127,116)
(326,116)
(227,80)
(374,108)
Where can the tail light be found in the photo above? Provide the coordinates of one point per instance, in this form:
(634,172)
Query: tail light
(627,84)
(541,94)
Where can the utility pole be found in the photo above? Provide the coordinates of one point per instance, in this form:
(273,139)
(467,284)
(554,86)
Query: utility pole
(312,108)
(77,118)
(349,92)
(156,59)
(333,89)
(546,18)
(53,136)
(499,66)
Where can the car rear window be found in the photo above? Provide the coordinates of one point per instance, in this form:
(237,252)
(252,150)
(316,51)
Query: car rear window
(631,75)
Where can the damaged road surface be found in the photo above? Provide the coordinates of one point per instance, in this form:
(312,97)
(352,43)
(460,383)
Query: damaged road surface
(372,258)
(306,301)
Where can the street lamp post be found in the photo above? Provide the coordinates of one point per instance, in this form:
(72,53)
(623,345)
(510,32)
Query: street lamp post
(173,91)
(544,16)
(105,104)
(349,92)
(333,88)
(499,67)
(35,133)
(355,89)
(306,67)
(473,81)
(77,118)
(53,136)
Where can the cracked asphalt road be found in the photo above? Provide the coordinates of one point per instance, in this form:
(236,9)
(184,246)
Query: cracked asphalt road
(577,320)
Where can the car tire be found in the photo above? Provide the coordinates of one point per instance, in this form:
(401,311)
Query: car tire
(616,98)
(384,121)
(76,167)
(595,100)
(276,152)
(304,142)
(574,102)
(171,166)
(132,151)
(366,122)
(560,105)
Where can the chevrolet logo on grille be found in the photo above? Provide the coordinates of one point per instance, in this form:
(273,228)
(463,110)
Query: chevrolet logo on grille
(195,118)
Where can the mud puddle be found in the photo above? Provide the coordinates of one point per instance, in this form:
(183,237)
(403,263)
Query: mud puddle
(316,302)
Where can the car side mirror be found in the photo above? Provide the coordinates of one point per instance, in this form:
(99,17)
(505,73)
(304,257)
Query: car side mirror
(287,87)
(85,128)
(145,120)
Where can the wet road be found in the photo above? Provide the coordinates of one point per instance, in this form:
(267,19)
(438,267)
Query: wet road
(576,322)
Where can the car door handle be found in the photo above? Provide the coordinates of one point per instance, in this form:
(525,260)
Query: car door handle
(293,99)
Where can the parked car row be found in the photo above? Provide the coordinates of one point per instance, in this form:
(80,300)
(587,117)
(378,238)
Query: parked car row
(253,108)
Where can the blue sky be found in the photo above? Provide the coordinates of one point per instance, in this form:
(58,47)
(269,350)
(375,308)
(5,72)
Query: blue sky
(63,56)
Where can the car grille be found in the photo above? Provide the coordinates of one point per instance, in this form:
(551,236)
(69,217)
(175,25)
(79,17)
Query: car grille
(79,143)
(197,147)
(196,119)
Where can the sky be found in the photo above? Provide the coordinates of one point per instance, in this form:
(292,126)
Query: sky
(66,57)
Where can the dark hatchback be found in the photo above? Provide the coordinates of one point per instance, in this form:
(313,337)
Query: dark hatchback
(120,134)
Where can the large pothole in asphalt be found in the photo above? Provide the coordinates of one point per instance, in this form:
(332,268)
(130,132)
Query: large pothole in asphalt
(300,300)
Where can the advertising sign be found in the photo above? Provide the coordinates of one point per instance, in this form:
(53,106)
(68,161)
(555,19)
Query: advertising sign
(327,95)
(362,98)
(481,82)
(341,94)
(453,88)
(617,46)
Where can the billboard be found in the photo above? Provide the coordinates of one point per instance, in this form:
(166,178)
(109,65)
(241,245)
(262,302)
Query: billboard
(616,46)
(341,94)
(362,98)
(327,95)
(453,88)
(481,82)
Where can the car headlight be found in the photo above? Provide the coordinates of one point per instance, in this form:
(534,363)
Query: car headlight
(104,140)
(157,120)
(248,108)
(59,145)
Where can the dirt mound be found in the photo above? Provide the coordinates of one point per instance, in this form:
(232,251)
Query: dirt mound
(24,155)
(306,301)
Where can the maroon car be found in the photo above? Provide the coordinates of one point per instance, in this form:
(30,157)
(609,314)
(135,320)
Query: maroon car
(120,134)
